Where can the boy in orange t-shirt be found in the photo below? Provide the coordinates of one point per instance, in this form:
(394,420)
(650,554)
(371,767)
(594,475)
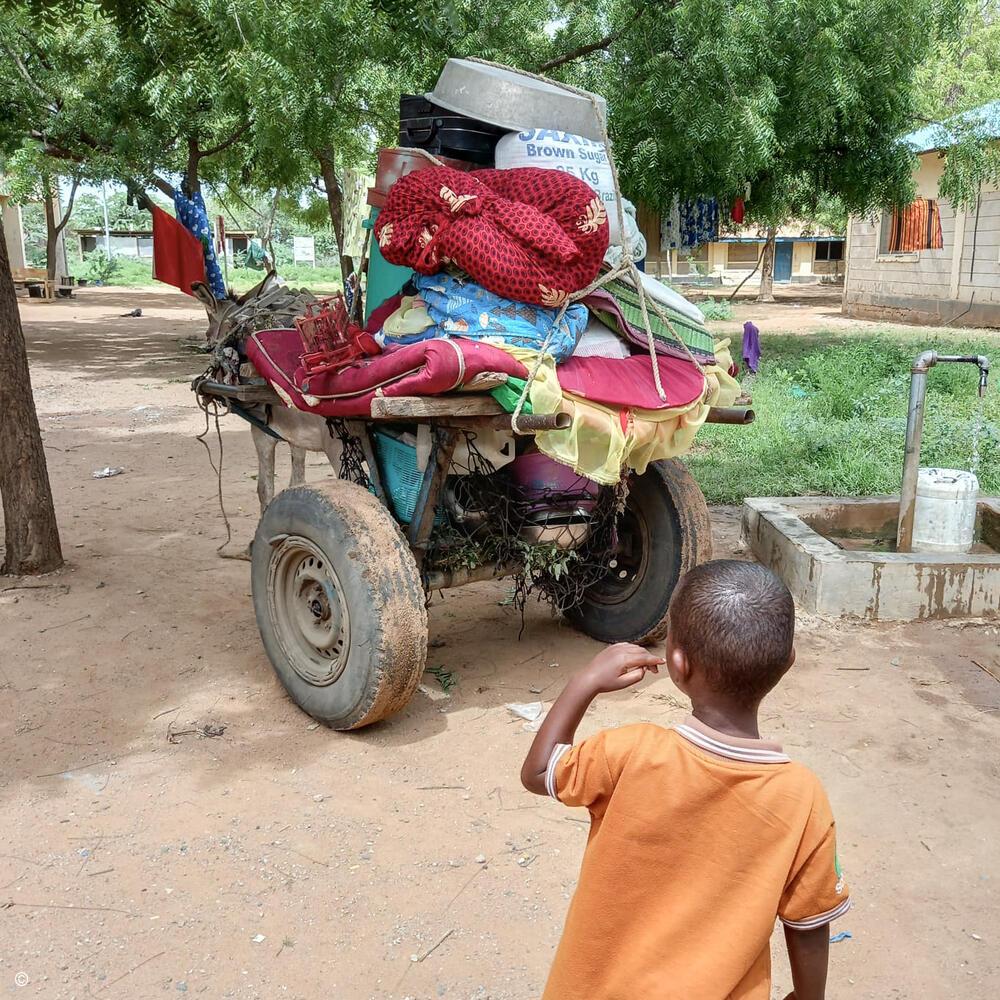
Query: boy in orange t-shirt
(701,835)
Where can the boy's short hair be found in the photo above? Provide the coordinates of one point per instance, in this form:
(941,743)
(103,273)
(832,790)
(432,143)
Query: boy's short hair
(735,622)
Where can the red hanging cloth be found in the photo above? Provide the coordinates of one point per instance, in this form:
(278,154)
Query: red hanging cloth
(178,256)
(738,211)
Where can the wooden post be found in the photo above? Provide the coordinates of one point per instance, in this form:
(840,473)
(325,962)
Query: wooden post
(31,536)
(51,237)
(335,205)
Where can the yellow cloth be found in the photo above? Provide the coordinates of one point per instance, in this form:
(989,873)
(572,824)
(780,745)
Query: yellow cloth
(724,357)
(596,445)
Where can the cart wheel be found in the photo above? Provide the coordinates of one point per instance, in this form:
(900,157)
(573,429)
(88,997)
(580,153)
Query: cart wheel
(663,532)
(339,603)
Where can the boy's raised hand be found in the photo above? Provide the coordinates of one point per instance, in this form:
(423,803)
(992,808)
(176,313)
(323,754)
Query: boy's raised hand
(613,669)
(620,666)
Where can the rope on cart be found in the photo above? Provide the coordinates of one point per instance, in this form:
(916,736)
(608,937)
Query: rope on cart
(625,267)
(212,407)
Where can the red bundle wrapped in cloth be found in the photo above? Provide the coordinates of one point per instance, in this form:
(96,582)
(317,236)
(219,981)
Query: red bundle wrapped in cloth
(528,234)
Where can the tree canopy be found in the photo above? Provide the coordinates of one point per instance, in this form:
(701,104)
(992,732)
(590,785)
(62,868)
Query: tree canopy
(801,99)
(963,71)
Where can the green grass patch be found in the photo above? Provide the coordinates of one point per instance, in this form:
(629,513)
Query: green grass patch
(831,417)
(129,272)
(126,272)
(716,309)
(316,279)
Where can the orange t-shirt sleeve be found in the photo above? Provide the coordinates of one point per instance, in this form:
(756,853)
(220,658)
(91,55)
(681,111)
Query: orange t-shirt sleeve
(587,773)
(816,892)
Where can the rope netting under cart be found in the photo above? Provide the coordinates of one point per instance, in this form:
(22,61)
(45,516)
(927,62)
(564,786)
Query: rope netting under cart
(554,543)
(352,454)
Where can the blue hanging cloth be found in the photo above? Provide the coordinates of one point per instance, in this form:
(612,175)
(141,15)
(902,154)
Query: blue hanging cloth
(194,217)
(690,224)
(699,222)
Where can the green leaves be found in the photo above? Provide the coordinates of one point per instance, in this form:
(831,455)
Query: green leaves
(805,99)
(972,159)
(831,418)
(802,98)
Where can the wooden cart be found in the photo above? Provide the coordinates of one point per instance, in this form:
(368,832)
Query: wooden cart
(340,586)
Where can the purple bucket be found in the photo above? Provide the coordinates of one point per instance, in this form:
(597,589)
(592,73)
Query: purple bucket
(539,477)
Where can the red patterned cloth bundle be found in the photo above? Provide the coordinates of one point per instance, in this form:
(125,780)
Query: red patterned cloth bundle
(528,234)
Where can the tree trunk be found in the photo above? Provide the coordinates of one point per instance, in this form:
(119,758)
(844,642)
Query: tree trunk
(191,173)
(53,229)
(766,293)
(52,232)
(335,202)
(31,535)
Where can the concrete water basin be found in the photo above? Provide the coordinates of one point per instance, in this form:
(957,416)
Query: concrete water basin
(837,556)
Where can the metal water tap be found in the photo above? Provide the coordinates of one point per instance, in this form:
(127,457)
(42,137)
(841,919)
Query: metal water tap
(914,430)
(930,358)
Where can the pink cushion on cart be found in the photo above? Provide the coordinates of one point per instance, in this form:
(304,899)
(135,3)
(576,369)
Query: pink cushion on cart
(628,382)
(428,368)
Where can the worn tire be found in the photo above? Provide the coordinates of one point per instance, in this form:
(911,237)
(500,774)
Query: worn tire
(339,603)
(666,507)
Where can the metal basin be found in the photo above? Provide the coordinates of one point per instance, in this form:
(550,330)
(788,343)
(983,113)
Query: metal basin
(504,98)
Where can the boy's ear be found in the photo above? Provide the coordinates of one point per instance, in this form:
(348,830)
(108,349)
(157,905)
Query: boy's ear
(677,664)
(791,661)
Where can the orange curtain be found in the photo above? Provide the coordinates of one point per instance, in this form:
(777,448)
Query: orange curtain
(916,227)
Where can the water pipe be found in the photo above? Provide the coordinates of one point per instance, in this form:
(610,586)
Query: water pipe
(922,364)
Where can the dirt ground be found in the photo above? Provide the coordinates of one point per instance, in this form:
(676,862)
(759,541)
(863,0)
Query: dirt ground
(284,860)
(800,309)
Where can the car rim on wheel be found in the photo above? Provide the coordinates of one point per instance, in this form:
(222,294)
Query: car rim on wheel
(310,618)
(627,564)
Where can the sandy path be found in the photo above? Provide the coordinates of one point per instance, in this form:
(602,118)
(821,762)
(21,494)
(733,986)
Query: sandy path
(282,860)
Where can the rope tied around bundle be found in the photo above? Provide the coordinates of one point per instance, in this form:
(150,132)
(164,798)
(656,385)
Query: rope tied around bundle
(626,266)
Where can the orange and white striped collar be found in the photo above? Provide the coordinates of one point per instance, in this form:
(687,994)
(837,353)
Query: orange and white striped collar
(731,747)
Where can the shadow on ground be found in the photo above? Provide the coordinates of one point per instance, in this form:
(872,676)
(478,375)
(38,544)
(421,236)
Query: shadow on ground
(90,337)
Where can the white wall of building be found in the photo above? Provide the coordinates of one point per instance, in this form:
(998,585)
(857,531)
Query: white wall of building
(13,233)
(959,283)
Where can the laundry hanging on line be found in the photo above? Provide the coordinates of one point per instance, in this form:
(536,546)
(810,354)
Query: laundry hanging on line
(178,255)
(194,216)
(256,256)
(689,224)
